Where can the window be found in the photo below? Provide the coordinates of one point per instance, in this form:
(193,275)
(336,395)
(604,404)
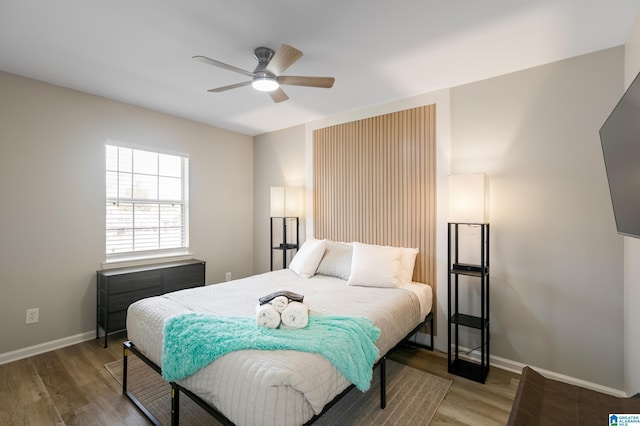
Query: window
(147,203)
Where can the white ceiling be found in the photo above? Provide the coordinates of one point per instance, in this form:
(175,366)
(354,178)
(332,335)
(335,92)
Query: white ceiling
(139,51)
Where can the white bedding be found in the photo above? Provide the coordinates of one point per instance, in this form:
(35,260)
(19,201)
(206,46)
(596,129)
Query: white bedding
(253,387)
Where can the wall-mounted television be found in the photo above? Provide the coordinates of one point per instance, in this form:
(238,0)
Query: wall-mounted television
(620,139)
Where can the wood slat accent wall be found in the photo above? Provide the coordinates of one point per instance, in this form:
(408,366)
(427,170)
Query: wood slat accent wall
(375,182)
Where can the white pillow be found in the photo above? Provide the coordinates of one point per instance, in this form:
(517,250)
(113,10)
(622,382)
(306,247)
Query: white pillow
(336,261)
(307,258)
(375,266)
(407,263)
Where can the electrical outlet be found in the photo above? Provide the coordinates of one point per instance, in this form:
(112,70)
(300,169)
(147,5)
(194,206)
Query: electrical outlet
(33,315)
(227,276)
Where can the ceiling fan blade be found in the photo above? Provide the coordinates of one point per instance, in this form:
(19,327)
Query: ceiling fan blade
(284,57)
(222,65)
(278,95)
(294,80)
(229,87)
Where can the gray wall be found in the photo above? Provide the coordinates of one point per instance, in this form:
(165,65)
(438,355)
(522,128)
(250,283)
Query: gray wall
(279,159)
(52,237)
(556,273)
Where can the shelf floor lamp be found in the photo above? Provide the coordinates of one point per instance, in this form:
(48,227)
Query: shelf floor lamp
(468,208)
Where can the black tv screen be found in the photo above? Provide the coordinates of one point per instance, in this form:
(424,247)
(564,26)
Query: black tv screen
(620,139)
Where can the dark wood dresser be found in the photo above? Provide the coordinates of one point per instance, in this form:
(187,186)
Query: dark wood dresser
(120,287)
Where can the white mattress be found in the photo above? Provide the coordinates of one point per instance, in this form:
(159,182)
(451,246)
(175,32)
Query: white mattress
(253,387)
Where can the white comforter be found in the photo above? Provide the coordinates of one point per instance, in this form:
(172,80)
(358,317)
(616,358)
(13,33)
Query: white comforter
(253,387)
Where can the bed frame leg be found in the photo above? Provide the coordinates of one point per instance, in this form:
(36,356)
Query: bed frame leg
(125,358)
(383,382)
(175,404)
(128,346)
(431,324)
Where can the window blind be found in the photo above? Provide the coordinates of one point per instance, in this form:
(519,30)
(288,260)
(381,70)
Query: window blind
(146,201)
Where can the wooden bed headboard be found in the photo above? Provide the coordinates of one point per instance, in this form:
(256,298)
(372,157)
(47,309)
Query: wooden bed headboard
(374,181)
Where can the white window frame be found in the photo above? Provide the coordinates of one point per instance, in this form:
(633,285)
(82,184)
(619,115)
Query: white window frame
(111,199)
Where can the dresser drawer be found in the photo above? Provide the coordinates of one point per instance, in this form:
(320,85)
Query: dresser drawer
(118,321)
(135,280)
(121,301)
(182,277)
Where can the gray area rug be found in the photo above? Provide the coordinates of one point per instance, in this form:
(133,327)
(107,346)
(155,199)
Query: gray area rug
(413,397)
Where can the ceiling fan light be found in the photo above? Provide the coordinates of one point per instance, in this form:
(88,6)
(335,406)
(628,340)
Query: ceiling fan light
(265,84)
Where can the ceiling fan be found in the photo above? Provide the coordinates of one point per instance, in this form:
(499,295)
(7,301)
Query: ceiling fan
(267,77)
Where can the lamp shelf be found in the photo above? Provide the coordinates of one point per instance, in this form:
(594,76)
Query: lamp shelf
(468,269)
(469,370)
(469,321)
(287,246)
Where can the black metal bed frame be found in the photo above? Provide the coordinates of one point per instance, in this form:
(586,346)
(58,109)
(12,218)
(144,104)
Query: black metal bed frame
(176,389)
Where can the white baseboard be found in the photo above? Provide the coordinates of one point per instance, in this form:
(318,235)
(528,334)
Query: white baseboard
(516,367)
(18,354)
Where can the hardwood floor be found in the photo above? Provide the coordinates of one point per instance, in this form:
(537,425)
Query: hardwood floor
(70,386)
(466,402)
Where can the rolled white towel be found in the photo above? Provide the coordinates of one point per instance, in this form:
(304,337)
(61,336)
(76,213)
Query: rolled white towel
(295,315)
(267,316)
(280,303)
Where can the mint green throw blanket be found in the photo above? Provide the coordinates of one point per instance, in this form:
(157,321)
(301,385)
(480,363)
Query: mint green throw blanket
(192,341)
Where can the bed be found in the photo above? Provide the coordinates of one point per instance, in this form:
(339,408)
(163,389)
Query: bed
(287,387)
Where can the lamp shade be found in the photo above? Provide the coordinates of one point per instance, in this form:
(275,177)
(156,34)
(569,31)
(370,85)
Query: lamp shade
(286,201)
(468,198)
